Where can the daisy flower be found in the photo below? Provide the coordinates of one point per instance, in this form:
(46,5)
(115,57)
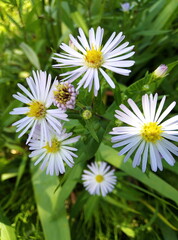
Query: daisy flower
(147,136)
(37,110)
(54,155)
(64,96)
(91,57)
(99,179)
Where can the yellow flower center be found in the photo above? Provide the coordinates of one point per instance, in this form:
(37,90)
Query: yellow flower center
(62,95)
(151,132)
(37,110)
(55,146)
(94,58)
(99,178)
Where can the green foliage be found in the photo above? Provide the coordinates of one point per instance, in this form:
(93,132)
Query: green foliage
(54,225)
(36,206)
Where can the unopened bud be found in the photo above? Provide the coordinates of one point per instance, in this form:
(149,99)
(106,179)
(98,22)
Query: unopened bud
(86,114)
(161,71)
(125,7)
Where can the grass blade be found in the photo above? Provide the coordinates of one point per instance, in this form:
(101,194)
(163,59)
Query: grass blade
(54,227)
(31,55)
(152,180)
(6,231)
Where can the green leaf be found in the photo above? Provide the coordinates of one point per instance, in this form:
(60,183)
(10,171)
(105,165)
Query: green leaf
(66,18)
(171,168)
(90,207)
(152,209)
(117,94)
(21,170)
(54,226)
(13,21)
(91,128)
(172,65)
(165,15)
(6,118)
(128,231)
(79,20)
(152,32)
(86,150)
(119,204)
(167,232)
(110,155)
(6,231)
(31,55)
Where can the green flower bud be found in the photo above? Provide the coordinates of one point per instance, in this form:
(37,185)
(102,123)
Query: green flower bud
(86,114)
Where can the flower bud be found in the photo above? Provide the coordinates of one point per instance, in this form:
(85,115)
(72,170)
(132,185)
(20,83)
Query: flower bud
(161,71)
(86,114)
(125,6)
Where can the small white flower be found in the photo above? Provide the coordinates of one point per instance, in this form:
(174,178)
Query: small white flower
(37,110)
(91,58)
(99,179)
(126,7)
(54,153)
(64,95)
(148,135)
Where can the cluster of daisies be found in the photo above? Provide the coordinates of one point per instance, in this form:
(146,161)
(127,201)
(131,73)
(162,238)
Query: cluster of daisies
(146,135)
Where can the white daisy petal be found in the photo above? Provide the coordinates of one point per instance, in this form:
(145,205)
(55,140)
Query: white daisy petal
(91,58)
(148,137)
(25,91)
(92,38)
(165,154)
(83,39)
(121,57)
(74,41)
(55,152)
(21,98)
(158,112)
(99,180)
(109,41)
(121,71)
(70,51)
(38,101)
(166,112)
(108,79)
(120,63)
(138,154)
(114,43)
(153,158)
(145,158)
(118,53)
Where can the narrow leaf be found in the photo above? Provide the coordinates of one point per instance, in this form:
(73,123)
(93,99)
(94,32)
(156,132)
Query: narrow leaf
(54,226)
(110,155)
(6,231)
(31,55)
